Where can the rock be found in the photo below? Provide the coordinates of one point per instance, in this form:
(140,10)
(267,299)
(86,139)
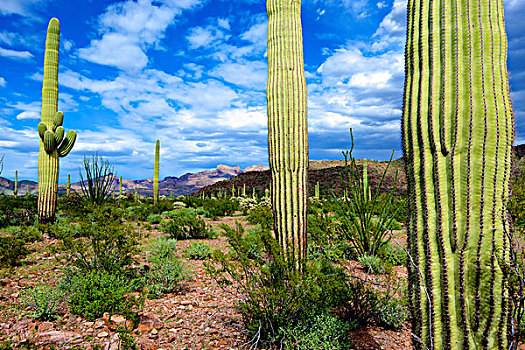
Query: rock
(44,326)
(149,321)
(103,334)
(154,331)
(117,319)
(55,337)
(99,324)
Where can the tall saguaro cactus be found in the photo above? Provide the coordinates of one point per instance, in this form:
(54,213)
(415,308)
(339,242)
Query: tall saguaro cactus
(68,186)
(287,126)
(53,144)
(457,136)
(156,173)
(16,184)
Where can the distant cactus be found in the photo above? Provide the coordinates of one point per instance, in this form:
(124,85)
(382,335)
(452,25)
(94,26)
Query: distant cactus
(156,173)
(457,130)
(244,190)
(120,186)
(53,144)
(28,193)
(136,194)
(317,190)
(287,126)
(16,184)
(233,190)
(68,186)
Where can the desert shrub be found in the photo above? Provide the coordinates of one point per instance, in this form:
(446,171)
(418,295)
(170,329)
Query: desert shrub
(198,251)
(394,255)
(100,243)
(372,264)
(392,313)
(220,207)
(166,271)
(178,205)
(246,204)
(322,331)
(272,298)
(14,245)
(44,301)
(19,211)
(73,206)
(93,293)
(261,215)
(154,219)
(185,226)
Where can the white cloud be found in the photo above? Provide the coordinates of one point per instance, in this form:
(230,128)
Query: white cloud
(130,29)
(17,55)
(3,83)
(205,37)
(32,115)
(19,7)
(251,74)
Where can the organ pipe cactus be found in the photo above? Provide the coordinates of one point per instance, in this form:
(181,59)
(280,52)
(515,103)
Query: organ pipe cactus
(287,126)
(156,173)
(458,130)
(16,184)
(53,143)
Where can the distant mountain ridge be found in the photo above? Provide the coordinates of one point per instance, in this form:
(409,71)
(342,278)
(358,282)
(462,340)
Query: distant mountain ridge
(178,186)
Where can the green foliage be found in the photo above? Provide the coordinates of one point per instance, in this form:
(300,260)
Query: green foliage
(92,293)
(97,183)
(220,207)
(366,231)
(372,264)
(392,313)
(73,206)
(14,244)
(166,271)
(185,225)
(44,301)
(273,298)
(261,215)
(17,211)
(394,255)
(198,251)
(154,219)
(100,242)
(322,331)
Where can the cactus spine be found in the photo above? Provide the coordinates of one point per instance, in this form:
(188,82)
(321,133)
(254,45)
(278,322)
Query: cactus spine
(53,144)
(287,126)
(156,173)
(457,134)
(16,184)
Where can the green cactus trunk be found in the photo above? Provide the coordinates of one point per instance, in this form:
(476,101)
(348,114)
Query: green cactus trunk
(28,193)
(253,193)
(120,186)
(317,195)
(233,190)
(16,184)
(136,194)
(287,126)
(68,186)
(457,134)
(156,173)
(53,144)
(244,190)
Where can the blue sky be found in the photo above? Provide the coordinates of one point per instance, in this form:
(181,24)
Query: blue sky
(192,73)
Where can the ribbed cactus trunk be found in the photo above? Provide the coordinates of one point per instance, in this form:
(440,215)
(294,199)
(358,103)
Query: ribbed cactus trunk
(68,186)
(316,193)
(120,186)
(457,135)
(16,184)
(53,144)
(156,173)
(287,126)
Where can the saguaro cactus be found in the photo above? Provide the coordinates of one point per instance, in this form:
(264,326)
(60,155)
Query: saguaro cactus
(53,144)
(316,193)
(68,186)
(120,186)
(156,173)
(287,126)
(457,134)
(16,184)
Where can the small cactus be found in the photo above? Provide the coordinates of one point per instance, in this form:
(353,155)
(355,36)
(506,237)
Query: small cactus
(120,186)
(156,173)
(68,186)
(16,184)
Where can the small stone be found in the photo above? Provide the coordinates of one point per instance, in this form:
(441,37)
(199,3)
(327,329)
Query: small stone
(99,324)
(103,334)
(44,326)
(154,331)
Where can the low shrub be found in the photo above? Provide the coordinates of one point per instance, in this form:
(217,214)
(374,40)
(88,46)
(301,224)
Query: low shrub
(322,331)
(394,255)
(186,227)
(220,207)
(154,219)
(372,264)
(261,215)
(166,271)
(93,293)
(392,313)
(44,301)
(198,251)
(14,245)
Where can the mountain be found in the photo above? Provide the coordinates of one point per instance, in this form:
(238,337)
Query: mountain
(182,185)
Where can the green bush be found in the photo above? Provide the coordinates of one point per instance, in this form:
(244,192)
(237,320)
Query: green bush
(154,219)
(44,301)
(93,293)
(185,226)
(100,242)
(261,215)
(198,251)
(322,331)
(392,313)
(166,271)
(220,207)
(14,244)
(19,211)
(394,255)
(372,264)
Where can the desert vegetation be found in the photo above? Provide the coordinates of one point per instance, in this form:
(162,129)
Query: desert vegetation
(278,263)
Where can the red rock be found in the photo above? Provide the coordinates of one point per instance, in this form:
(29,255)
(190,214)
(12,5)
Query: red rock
(44,326)
(55,337)
(149,321)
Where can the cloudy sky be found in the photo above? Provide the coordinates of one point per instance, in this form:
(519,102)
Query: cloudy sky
(192,73)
